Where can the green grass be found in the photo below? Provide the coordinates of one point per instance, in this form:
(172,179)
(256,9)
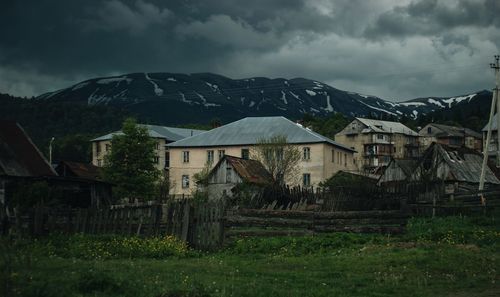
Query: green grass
(441,257)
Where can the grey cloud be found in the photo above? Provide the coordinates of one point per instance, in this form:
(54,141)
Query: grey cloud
(116,15)
(430,17)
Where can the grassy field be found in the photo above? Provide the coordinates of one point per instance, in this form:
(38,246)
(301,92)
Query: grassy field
(441,257)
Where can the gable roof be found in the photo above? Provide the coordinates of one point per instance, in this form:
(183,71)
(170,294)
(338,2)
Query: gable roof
(168,133)
(464,164)
(386,127)
(450,131)
(493,126)
(251,171)
(407,165)
(18,155)
(249,130)
(80,170)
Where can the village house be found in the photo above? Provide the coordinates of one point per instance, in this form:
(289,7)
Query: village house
(397,172)
(232,171)
(451,136)
(452,169)
(321,156)
(163,135)
(378,141)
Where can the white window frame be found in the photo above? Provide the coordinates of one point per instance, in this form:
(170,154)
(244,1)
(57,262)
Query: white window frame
(306,153)
(210,156)
(306,179)
(185,181)
(185,156)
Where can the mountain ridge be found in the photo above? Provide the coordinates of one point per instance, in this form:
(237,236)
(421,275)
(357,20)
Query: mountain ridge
(180,98)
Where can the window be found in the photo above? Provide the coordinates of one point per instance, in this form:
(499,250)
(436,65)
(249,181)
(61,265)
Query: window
(306,153)
(333,156)
(210,156)
(185,156)
(245,154)
(380,136)
(345,160)
(156,159)
(97,148)
(167,159)
(229,174)
(306,179)
(429,130)
(221,153)
(157,145)
(185,181)
(393,149)
(108,147)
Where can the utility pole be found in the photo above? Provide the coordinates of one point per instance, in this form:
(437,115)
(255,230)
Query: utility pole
(494,102)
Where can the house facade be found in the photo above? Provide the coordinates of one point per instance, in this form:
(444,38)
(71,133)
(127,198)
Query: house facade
(378,141)
(493,147)
(451,136)
(101,146)
(321,156)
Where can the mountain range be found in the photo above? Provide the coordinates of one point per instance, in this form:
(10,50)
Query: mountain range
(170,98)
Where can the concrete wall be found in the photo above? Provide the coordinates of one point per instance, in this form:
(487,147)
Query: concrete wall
(320,165)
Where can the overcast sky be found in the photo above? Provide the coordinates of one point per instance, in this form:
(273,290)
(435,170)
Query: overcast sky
(395,49)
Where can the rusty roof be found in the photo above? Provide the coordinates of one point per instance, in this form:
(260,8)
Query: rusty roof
(76,169)
(18,155)
(251,171)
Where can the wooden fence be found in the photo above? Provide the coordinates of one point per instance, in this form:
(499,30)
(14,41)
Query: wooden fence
(198,224)
(263,222)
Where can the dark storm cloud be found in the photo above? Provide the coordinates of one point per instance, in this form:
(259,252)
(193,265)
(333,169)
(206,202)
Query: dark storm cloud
(429,17)
(351,44)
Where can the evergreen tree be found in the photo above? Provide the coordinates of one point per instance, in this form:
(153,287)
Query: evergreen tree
(130,165)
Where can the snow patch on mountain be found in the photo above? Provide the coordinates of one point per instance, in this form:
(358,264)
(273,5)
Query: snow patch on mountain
(171,79)
(310,93)
(158,91)
(329,106)
(105,81)
(456,100)
(295,96)
(435,102)
(283,97)
(412,104)
(379,109)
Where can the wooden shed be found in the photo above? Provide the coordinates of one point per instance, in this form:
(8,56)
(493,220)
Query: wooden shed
(397,172)
(455,169)
(231,171)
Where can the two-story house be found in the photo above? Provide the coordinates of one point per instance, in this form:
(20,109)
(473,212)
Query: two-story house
(321,156)
(451,136)
(163,135)
(378,141)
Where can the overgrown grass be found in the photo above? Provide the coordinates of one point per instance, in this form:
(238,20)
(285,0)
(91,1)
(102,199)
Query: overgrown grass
(436,257)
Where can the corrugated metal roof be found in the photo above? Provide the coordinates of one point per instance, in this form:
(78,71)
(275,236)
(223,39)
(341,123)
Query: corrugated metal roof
(493,126)
(249,130)
(18,155)
(169,133)
(465,164)
(407,165)
(386,127)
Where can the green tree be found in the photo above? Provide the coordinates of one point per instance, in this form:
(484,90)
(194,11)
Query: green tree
(279,157)
(130,165)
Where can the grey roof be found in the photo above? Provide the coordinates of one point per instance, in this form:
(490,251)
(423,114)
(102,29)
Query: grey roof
(249,130)
(386,127)
(449,131)
(464,164)
(407,165)
(169,133)
(493,126)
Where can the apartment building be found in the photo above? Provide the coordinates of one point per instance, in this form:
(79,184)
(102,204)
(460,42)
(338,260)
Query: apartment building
(321,156)
(451,136)
(163,135)
(378,141)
